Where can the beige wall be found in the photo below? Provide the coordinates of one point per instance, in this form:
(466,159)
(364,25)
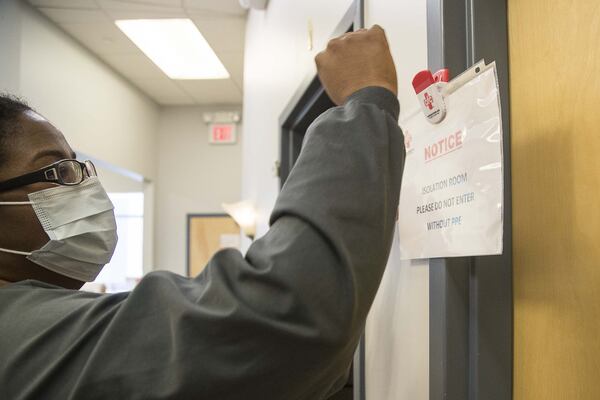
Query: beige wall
(102,116)
(10,34)
(277,61)
(99,112)
(193,177)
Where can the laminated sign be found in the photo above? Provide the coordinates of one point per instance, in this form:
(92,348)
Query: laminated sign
(452,188)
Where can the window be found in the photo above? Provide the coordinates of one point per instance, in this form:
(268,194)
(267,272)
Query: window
(126,267)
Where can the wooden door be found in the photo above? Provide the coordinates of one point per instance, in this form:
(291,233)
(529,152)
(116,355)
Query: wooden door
(555,94)
(208,234)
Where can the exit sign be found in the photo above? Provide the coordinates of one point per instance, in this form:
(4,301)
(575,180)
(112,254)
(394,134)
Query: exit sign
(222,134)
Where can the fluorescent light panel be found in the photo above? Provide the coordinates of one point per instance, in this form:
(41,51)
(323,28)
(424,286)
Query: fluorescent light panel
(176,46)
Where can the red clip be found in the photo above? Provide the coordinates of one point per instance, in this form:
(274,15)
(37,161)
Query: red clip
(422,81)
(429,93)
(443,75)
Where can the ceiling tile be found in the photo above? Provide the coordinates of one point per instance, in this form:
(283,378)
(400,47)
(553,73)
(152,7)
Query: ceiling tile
(101,37)
(134,66)
(234,62)
(146,14)
(139,5)
(91,4)
(164,91)
(137,10)
(73,15)
(222,22)
(213,30)
(217,91)
(214,7)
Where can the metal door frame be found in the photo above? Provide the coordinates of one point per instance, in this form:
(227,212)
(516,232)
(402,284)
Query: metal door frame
(470,298)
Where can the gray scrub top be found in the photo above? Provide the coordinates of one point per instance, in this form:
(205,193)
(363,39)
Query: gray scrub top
(280,323)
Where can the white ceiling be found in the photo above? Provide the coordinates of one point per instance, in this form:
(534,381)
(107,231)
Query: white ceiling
(222,22)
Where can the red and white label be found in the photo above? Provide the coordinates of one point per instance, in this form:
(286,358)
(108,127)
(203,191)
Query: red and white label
(445,145)
(428,101)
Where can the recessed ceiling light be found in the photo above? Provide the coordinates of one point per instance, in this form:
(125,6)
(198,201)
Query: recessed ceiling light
(176,46)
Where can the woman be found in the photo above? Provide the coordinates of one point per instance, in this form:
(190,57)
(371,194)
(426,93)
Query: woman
(280,323)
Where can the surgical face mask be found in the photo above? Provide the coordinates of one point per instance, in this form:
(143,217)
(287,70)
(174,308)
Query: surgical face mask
(80,223)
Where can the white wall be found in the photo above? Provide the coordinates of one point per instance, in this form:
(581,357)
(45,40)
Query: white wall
(193,177)
(397,335)
(277,61)
(115,182)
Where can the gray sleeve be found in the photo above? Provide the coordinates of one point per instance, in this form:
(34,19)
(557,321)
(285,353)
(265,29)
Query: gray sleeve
(282,322)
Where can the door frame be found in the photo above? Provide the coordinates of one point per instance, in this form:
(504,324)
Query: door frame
(309,96)
(470,298)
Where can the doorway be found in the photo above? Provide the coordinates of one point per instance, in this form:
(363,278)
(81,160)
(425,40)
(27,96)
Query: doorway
(303,111)
(310,101)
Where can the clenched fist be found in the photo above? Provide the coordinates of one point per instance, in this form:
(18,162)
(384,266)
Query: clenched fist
(355,61)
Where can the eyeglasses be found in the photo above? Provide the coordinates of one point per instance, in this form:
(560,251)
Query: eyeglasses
(63,172)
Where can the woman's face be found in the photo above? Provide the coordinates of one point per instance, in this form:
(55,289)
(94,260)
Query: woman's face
(36,145)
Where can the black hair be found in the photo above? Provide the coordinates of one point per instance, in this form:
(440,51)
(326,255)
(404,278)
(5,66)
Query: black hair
(11,107)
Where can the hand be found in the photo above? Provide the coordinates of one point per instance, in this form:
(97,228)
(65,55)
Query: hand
(355,61)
